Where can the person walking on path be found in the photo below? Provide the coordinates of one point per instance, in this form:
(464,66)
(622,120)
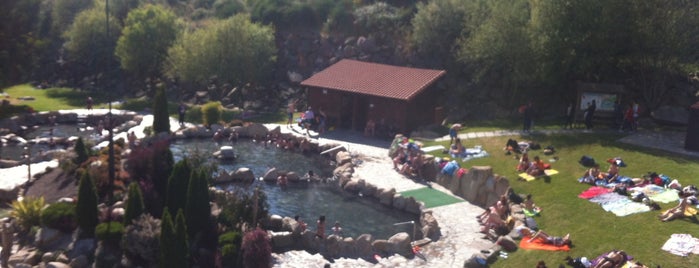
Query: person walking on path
(589,114)
(182,110)
(290,110)
(570,116)
(89,103)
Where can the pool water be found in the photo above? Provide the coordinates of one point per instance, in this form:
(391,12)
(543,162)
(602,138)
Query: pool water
(357,215)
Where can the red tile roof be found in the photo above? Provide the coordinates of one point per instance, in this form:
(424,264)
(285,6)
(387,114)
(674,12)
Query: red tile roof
(374,79)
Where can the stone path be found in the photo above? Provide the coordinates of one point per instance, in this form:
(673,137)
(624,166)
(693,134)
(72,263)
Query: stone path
(460,237)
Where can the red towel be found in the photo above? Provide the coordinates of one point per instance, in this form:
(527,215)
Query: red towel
(593,191)
(539,244)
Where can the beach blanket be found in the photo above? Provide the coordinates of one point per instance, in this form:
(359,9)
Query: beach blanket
(681,244)
(547,172)
(540,245)
(473,153)
(666,196)
(648,190)
(608,197)
(618,204)
(593,191)
(432,148)
(531,213)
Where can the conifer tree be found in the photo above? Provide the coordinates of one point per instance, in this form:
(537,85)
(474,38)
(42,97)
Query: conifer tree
(134,205)
(177,186)
(86,208)
(161,118)
(167,239)
(80,151)
(197,210)
(181,239)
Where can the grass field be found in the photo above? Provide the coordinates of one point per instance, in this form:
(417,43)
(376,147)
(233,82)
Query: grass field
(593,230)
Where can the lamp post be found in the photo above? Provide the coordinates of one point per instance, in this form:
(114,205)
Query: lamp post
(110,122)
(28,155)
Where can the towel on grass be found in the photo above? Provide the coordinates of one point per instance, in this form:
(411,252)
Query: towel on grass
(648,190)
(630,208)
(547,172)
(593,191)
(609,197)
(531,213)
(681,244)
(540,245)
(666,196)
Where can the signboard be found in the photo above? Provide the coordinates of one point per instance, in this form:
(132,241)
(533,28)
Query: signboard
(604,101)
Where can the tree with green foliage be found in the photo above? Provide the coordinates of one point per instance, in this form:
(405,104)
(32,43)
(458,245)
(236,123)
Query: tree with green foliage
(20,42)
(161,117)
(501,48)
(197,209)
(134,204)
(63,12)
(181,238)
(177,186)
(87,43)
(211,113)
(438,25)
(148,33)
(235,50)
(167,242)
(86,207)
(80,151)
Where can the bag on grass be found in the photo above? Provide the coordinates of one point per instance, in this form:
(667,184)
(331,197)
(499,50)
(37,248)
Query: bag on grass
(587,161)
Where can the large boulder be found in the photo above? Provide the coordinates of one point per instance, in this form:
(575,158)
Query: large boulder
(243,174)
(282,240)
(412,205)
(275,222)
(363,245)
(271,175)
(400,243)
(256,130)
(430,226)
(343,157)
(352,186)
(386,196)
(347,248)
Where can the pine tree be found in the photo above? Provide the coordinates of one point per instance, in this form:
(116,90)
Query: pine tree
(197,209)
(161,118)
(181,240)
(80,151)
(86,208)
(167,239)
(134,205)
(177,186)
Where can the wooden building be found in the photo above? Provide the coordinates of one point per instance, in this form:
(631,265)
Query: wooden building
(353,92)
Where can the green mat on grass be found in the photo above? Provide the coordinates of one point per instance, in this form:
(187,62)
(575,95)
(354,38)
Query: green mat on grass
(431,197)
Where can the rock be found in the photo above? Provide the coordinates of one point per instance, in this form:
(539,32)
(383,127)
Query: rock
(62,258)
(243,174)
(386,196)
(275,222)
(281,240)
(48,239)
(370,190)
(506,243)
(79,262)
(256,130)
(430,226)
(345,168)
(347,248)
(117,214)
(363,246)
(332,246)
(344,179)
(293,177)
(343,157)
(399,202)
(412,205)
(351,186)
(382,246)
(271,175)
(400,243)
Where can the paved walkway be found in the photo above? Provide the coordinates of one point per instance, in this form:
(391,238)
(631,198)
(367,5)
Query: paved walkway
(460,237)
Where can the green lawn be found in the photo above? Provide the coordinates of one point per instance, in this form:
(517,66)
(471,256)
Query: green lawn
(51,99)
(593,230)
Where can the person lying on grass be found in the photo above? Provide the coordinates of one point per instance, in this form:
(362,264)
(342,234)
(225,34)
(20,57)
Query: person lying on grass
(677,211)
(544,237)
(614,259)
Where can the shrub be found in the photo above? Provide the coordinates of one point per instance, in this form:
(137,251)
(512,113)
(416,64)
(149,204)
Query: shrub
(257,249)
(134,204)
(141,241)
(110,232)
(237,207)
(27,211)
(194,115)
(86,208)
(177,186)
(230,244)
(211,113)
(171,242)
(60,216)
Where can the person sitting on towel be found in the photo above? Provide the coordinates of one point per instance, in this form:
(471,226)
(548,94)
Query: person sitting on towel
(524,163)
(591,175)
(530,206)
(612,172)
(553,240)
(537,167)
(457,149)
